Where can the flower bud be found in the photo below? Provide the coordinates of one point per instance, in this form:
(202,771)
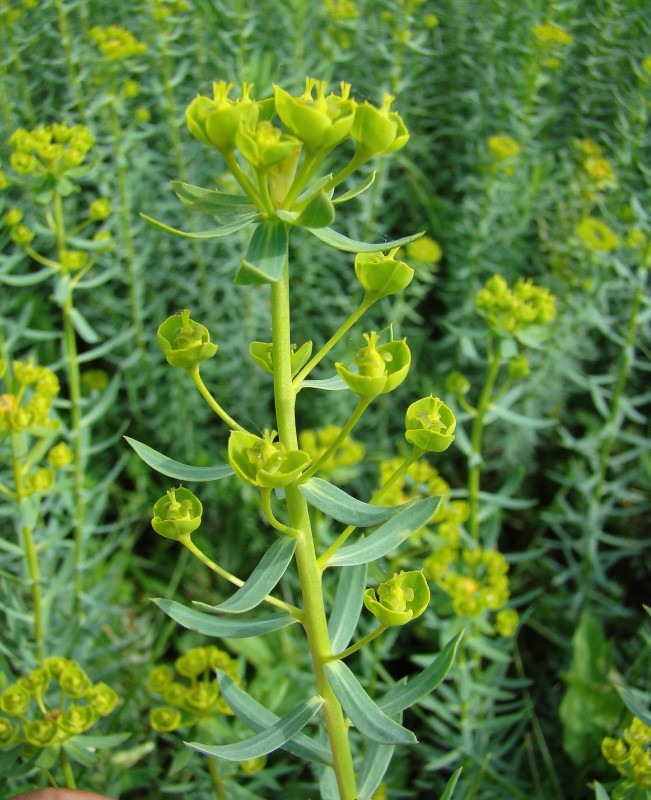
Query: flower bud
(218,121)
(378,131)
(201,698)
(519,367)
(379,368)
(177,514)
(402,598)
(192,663)
(457,383)
(74,682)
(506,622)
(186,343)
(159,679)
(12,217)
(100,209)
(320,122)
(22,235)
(263,462)
(614,751)
(253,765)
(41,733)
(60,456)
(40,481)
(76,720)
(382,275)
(164,719)
(430,425)
(102,699)
(15,700)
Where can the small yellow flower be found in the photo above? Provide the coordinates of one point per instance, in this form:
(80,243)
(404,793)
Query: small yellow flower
(425,250)
(595,235)
(549,35)
(503,147)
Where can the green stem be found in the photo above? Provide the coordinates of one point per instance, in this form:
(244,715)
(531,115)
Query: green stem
(315,621)
(474,470)
(362,643)
(310,164)
(246,183)
(361,407)
(366,303)
(196,377)
(192,547)
(217,784)
(416,453)
(67,769)
(66,42)
(29,545)
(265,495)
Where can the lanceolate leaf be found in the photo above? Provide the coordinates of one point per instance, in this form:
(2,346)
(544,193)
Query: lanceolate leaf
(375,764)
(347,606)
(269,739)
(262,580)
(210,625)
(266,255)
(257,717)
(405,695)
(368,718)
(356,190)
(213,202)
(638,703)
(334,384)
(28,279)
(340,242)
(388,536)
(175,469)
(215,233)
(83,327)
(449,789)
(341,506)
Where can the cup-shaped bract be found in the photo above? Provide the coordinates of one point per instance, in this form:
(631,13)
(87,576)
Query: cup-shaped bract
(402,598)
(177,514)
(186,343)
(378,131)
(381,274)
(265,145)
(263,462)
(321,122)
(430,425)
(380,368)
(218,121)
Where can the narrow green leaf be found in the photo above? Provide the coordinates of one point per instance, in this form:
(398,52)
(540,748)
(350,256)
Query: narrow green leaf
(257,717)
(215,233)
(102,742)
(82,326)
(262,580)
(334,384)
(210,625)
(405,695)
(451,784)
(80,754)
(212,201)
(388,536)
(30,279)
(374,766)
(105,347)
(106,401)
(341,506)
(269,739)
(175,469)
(341,242)
(356,190)
(367,717)
(314,189)
(266,255)
(637,703)
(347,606)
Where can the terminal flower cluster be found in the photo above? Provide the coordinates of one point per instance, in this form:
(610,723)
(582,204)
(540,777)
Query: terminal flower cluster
(509,311)
(189,689)
(116,43)
(49,150)
(631,754)
(52,704)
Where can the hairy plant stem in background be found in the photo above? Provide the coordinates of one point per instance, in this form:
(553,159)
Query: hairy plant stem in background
(314,622)
(74,396)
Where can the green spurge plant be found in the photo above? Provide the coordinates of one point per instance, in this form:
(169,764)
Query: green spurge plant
(284,194)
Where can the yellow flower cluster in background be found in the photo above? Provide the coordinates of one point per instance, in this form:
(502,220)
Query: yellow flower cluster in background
(51,704)
(632,756)
(49,149)
(116,43)
(475,580)
(340,463)
(512,310)
(552,41)
(197,696)
(596,236)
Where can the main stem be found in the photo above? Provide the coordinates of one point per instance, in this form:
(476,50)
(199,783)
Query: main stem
(315,621)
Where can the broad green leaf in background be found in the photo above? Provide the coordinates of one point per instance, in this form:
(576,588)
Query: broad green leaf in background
(637,702)
(405,695)
(266,255)
(269,739)
(347,606)
(257,717)
(339,505)
(210,625)
(388,536)
(367,717)
(175,469)
(262,580)
(340,242)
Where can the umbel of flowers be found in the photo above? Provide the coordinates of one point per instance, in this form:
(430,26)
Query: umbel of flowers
(276,149)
